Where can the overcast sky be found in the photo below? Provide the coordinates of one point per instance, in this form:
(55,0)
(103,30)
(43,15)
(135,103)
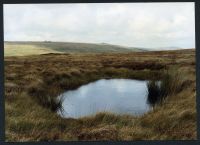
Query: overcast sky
(130,24)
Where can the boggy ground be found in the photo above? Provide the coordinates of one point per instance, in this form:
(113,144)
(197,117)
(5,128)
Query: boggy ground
(45,76)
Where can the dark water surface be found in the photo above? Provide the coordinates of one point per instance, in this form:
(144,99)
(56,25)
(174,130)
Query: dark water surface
(120,96)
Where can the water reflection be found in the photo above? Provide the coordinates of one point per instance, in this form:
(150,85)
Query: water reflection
(120,96)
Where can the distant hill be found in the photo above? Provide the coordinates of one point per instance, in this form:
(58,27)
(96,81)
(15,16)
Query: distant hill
(168,48)
(63,47)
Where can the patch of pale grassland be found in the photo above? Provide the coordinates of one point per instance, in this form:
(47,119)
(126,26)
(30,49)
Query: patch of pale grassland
(23,50)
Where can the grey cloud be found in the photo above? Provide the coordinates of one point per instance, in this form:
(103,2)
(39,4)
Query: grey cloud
(129,24)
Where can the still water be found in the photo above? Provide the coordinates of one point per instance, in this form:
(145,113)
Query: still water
(120,96)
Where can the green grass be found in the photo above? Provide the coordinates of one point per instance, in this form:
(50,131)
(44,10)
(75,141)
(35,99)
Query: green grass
(25,49)
(35,48)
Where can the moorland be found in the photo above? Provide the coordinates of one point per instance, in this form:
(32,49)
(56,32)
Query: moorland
(33,79)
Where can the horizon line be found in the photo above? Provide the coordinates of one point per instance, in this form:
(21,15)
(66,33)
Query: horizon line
(101,43)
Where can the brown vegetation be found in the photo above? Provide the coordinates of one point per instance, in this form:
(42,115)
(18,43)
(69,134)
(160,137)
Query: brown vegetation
(32,80)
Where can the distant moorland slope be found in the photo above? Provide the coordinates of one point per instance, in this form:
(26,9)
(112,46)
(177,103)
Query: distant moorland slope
(21,48)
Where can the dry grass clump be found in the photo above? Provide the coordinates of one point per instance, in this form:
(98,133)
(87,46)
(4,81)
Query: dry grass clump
(37,91)
(108,132)
(171,83)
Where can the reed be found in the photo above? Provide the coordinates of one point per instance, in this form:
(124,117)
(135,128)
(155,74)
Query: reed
(170,83)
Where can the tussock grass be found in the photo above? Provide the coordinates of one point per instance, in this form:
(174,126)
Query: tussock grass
(171,83)
(37,91)
(154,95)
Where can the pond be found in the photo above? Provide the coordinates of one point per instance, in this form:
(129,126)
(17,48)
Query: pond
(120,96)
